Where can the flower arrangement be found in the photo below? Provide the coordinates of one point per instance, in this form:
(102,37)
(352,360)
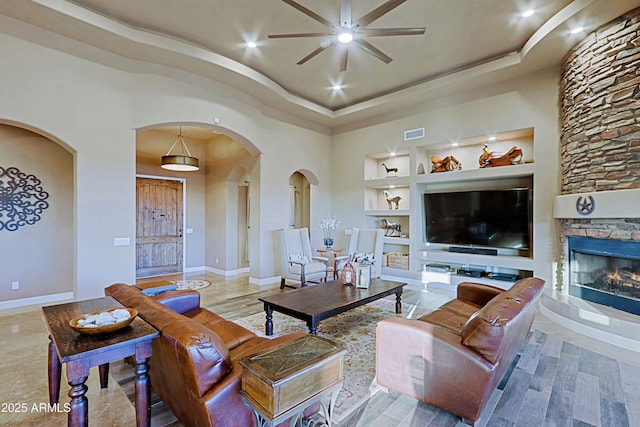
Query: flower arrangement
(328,224)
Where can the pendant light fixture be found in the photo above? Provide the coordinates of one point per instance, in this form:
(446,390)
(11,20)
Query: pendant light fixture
(180,162)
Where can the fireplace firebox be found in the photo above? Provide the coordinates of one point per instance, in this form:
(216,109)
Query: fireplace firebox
(606,272)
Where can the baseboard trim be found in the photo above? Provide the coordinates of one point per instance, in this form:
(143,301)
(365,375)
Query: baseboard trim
(43,299)
(227,273)
(193,269)
(264,281)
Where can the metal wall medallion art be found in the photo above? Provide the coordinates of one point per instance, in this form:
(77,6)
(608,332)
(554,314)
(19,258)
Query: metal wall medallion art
(22,199)
(586,205)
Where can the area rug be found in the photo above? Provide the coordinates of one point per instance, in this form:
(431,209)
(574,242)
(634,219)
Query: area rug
(356,331)
(191,284)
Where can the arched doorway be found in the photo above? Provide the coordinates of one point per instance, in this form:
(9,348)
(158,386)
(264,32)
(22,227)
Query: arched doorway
(239,224)
(299,201)
(217,196)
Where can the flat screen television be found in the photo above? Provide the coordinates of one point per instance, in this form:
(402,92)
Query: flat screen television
(491,218)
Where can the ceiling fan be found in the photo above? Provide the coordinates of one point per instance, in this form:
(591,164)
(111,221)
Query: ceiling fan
(349,30)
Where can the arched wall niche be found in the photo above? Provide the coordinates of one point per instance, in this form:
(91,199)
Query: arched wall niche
(39,256)
(51,137)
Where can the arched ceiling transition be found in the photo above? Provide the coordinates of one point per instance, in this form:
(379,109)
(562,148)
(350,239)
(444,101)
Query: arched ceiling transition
(466,45)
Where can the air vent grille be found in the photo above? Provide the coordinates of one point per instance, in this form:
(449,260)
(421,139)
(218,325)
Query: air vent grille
(413,134)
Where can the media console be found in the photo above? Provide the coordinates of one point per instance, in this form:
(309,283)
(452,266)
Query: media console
(503,193)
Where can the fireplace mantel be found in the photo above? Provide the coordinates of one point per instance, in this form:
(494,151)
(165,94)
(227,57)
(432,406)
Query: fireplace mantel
(598,204)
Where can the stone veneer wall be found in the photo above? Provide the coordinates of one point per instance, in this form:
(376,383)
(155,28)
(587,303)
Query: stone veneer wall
(600,123)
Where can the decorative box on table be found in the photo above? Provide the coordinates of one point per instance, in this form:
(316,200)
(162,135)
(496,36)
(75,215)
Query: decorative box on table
(289,377)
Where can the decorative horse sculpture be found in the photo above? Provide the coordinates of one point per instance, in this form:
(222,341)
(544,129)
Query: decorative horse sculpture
(389,170)
(391,228)
(490,158)
(391,199)
(445,164)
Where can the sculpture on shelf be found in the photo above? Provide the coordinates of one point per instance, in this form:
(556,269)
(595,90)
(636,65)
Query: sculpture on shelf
(389,170)
(445,164)
(391,199)
(490,158)
(391,229)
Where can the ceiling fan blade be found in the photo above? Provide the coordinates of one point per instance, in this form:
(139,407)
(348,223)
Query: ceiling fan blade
(343,59)
(345,13)
(312,54)
(371,49)
(292,35)
(375,32)
(378,12)
(308,12)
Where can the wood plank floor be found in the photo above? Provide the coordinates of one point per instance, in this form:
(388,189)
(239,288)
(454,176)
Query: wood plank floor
(555,381)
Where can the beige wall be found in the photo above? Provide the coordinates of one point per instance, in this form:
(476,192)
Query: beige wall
(95,111)
(39,256)
(530,102)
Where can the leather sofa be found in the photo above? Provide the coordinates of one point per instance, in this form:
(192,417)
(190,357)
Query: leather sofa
(194,367)
(454,357)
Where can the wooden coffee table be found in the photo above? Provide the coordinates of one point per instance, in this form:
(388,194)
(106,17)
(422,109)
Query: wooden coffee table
(315,303)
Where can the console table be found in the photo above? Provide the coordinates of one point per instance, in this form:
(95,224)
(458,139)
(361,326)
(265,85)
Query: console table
(280,383)
(82,352)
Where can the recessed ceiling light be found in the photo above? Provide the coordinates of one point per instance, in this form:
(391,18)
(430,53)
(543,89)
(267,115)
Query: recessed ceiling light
(252,44)
(491,138)
(455,144)
(392,153)
(528,13)
(336,87)
(577,30)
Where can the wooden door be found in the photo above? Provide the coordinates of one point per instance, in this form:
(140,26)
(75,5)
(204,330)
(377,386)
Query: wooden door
(158,227)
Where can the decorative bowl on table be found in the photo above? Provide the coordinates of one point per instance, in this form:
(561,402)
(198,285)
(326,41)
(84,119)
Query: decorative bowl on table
(103,321)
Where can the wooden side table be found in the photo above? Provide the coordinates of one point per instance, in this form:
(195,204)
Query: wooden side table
(82,352)
(282,382)
(333,252)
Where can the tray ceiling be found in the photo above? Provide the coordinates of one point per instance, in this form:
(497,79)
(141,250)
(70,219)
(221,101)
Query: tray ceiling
(465,43)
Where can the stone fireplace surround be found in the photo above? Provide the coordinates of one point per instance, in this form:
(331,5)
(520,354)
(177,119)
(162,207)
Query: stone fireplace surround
(600,164)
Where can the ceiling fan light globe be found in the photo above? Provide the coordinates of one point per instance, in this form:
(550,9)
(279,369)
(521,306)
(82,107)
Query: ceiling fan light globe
(345,37)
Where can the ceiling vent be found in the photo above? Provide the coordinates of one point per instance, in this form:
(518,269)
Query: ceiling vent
(413,134)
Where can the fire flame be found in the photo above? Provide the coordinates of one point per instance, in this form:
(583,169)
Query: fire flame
(614,276)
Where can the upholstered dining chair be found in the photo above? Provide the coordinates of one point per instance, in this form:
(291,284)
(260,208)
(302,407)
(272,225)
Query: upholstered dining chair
(364,243)
(298,263)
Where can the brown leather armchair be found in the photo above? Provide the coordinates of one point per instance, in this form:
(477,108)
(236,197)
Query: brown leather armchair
(194,367)
(454,357)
